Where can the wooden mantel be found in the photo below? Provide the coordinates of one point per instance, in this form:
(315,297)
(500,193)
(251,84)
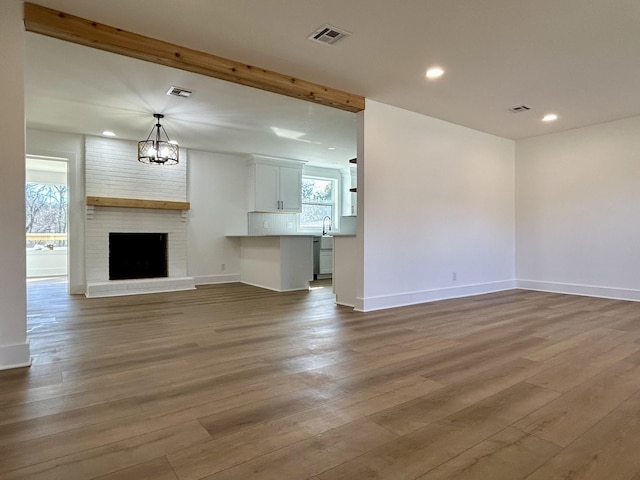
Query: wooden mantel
(137,203)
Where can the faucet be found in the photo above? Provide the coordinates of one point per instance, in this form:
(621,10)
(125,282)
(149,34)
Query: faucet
(326,230)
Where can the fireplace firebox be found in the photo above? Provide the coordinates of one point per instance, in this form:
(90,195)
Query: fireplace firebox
(137,255)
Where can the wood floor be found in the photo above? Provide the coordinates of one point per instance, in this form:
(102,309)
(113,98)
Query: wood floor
(235,382)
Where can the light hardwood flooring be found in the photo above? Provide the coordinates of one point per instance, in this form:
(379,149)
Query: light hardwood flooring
(235,382)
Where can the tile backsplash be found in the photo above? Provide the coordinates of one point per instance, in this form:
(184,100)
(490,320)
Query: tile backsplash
(272,223)
(260,223)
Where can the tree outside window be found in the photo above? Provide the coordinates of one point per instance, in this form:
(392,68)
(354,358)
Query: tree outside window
(46,215)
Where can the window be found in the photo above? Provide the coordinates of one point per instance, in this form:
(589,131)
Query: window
(318,201)
(46,215)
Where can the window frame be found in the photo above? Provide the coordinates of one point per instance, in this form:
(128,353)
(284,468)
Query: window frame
(335,203)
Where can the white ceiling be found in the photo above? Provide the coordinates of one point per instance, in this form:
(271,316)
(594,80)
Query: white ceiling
(576,58)
(76,89)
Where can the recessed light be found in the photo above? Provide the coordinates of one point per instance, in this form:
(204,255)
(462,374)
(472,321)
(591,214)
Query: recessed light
(108,133)
(435,72)
(331,148)
(550,117)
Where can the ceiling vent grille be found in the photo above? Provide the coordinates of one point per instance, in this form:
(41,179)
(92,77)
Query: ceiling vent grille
(179,92)
(519,108)
(328,35)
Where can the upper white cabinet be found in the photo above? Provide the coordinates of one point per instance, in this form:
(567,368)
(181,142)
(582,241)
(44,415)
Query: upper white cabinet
(275,184)
(290,189)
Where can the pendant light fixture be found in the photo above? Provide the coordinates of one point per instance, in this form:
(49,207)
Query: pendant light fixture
(158,152)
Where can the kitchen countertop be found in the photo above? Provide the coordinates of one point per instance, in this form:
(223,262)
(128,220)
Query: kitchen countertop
(274,235)
(290,235)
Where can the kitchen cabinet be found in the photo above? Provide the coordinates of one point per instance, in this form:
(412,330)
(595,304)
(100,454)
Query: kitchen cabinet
(280,262)
(326,257)
(275,184)
(326,262)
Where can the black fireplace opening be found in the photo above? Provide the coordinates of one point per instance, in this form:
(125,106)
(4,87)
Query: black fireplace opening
(137,255)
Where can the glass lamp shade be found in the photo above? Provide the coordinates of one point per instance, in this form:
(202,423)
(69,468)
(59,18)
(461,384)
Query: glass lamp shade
(158,152)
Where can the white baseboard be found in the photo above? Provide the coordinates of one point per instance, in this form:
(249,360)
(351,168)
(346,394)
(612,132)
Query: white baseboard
(15,356)
(213,279)
(584,290)
(344,304)
(381,302)
(273,289)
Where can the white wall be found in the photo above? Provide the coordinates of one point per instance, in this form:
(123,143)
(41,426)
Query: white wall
(217,186)
(71,147)
(14,346)
(439,199)
(578,199)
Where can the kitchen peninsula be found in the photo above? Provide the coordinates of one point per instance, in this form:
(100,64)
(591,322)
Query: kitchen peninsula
(277,262)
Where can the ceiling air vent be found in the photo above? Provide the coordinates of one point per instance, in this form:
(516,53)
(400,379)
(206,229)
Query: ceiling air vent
(328,34)
(179,92)
(519,108)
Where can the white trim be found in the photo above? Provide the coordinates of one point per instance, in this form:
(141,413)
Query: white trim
(300,289)
(277,161)
(118,288)
(214,279)
(629,294)
(75,184)
(15,356)
(381,302)
(343,304)
(333,175)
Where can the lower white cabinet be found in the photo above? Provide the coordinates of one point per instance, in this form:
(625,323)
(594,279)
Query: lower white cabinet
(326,256)
(326,262)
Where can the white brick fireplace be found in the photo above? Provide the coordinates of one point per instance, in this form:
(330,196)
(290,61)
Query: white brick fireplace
(112,171)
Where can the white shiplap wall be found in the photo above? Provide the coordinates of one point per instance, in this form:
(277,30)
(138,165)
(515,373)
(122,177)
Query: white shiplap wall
(112,170)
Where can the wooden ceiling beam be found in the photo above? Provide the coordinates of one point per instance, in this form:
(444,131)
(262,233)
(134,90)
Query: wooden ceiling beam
(54,23)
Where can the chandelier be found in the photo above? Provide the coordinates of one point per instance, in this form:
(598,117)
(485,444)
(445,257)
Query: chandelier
(158,152)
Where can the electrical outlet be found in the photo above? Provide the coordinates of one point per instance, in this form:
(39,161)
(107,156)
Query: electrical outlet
(265,225)
(222,267)
(454,276)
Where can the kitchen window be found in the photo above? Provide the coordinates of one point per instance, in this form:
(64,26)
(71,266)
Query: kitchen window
(318,201)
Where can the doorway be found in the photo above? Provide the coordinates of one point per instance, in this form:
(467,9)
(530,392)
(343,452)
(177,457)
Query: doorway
(46,217)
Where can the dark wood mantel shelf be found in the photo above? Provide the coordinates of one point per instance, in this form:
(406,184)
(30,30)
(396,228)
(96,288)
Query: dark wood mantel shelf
(137,203)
